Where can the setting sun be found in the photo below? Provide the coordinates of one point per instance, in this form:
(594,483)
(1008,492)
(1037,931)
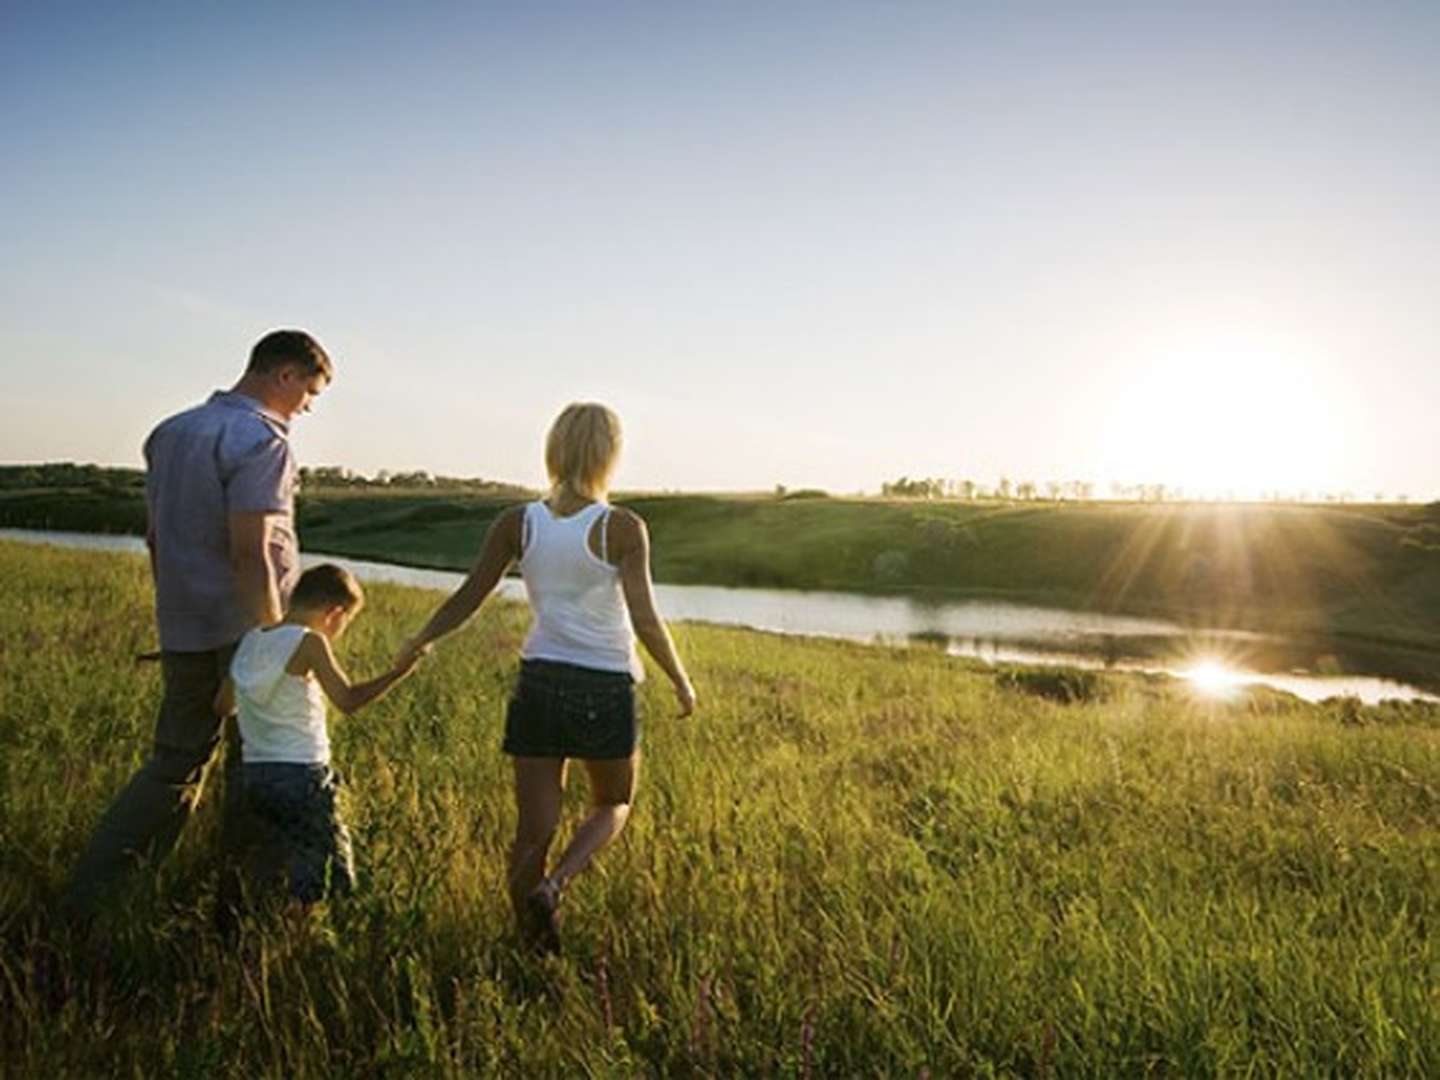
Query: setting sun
(1229,416)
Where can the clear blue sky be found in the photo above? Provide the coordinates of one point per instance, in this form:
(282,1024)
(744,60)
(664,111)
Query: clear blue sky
(802,243)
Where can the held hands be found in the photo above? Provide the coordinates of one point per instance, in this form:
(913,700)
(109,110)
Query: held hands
(408,656)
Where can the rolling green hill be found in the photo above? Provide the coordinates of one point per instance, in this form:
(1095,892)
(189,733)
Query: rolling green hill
(1365,573)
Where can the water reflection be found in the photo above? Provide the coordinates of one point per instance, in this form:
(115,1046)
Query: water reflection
(983,630)
(1212,678)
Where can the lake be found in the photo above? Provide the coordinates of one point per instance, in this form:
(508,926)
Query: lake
(991,631)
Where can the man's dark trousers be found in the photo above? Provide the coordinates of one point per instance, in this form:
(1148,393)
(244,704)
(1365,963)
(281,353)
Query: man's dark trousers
(147,817)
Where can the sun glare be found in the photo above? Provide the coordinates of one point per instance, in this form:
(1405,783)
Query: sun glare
(1237,416)
(1213,678)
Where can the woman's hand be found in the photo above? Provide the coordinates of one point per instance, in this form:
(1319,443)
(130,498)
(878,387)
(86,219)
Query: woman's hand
(685,696)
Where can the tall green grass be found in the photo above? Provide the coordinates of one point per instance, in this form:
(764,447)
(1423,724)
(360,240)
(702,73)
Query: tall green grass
(852,861)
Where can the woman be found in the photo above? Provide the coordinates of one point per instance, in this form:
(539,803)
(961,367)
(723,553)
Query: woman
(586,567)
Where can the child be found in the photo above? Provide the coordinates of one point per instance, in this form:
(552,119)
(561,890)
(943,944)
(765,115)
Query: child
(279,678)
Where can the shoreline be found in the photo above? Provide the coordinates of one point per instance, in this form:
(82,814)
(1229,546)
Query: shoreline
(1256,657)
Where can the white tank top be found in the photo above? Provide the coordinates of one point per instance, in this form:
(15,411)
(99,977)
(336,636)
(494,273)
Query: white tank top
(579,606)
(282,716)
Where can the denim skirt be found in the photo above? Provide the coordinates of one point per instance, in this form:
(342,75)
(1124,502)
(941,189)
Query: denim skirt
(561,710)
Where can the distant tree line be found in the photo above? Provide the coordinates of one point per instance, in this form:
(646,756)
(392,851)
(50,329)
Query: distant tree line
(970,491)
(1007,490)
(68,475)
(329,477)
(106,478)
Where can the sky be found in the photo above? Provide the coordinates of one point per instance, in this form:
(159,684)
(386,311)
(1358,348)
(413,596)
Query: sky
(812,244)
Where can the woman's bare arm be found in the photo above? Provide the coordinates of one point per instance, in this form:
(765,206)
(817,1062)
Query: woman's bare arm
(501,548)
(630,549)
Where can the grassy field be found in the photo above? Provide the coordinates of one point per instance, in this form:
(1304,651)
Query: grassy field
(852,861)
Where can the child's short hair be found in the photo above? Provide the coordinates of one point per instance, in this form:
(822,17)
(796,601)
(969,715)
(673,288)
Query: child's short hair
(581,449)
(327,585)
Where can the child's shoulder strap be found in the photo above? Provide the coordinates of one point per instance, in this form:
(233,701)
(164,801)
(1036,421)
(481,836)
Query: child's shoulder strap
(527,525)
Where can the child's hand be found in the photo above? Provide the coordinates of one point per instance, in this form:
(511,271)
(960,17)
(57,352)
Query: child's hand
(685,695)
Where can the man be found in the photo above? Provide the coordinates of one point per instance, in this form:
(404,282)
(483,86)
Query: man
(219,494)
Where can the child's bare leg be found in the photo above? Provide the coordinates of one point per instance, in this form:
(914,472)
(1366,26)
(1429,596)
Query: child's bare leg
(539,785)
(297,915)
(612,786)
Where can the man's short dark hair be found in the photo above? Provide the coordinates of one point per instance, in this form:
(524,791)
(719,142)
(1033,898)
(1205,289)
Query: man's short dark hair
(327,585)
(287,348)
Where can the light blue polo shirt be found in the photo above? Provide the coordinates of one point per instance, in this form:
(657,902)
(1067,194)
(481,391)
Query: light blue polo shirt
(228,455)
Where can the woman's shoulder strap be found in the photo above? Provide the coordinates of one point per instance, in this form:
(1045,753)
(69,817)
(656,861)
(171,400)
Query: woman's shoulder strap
(625,531)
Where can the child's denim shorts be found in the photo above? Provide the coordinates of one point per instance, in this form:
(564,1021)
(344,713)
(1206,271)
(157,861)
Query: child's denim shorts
(561,710)
(296,804)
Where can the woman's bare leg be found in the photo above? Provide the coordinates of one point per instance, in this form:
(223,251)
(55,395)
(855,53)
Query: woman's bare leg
(539,785)
(612,786)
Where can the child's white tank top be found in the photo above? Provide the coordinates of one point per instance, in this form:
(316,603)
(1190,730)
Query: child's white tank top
(282,716)
(579,605)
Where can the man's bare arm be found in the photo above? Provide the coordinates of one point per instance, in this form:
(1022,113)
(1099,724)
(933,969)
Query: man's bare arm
(150,542)
(255,584)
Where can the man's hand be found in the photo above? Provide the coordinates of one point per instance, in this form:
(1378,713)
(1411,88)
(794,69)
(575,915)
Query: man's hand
(224,704)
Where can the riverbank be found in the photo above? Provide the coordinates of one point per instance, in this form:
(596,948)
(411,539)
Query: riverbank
(1357,578)
(991,631)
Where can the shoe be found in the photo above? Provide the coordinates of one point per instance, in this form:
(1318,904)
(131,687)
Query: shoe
(542,921)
